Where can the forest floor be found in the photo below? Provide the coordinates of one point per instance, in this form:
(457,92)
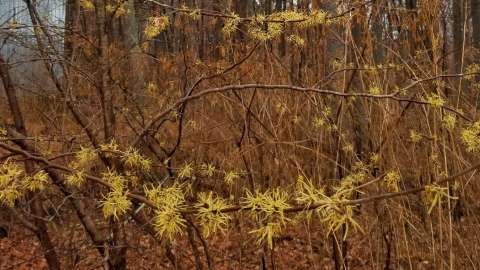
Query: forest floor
(21,251)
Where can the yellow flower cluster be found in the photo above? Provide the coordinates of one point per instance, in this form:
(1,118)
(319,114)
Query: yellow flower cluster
(116,202)
(318,122)
(415,137)
(230,177)
(111,147)
(207,169)
(231,25)
(268,232)
(348,185)
(3,133)
(317,17)
(36,182)
(296,40)
(209,213)
(288,16)
(331,210)
(448,121)
(133,160)
(156,25)
(195,14)
(268,208)
(14,183)
(307,193)
(84,158)
(375,90)
(76,179)
(256,29)
(392,180)
(87,4)
(118,8)
(434,194)
(10,189)
(275,24)
(186,171)
(435,100)
(472,71)
(169,201)
(471,137)
(337,216)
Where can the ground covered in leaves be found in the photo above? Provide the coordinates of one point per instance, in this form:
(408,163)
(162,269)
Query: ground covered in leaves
(235,250)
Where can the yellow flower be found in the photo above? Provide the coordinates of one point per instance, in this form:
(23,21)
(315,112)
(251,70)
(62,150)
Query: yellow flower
(168,222)
(186,171)
(435,100)
(231,25)
(375,158)
(392,180)
(338,217)
(434,194)
(3,133)
(117,181)
(13,24)
(472,71)
(84,158)
(169,201)
(37,182)
(87,4)
(10,190)
(270,204)
(318,122)
(76,179)
(257,30)
(317,17)
(449,121)
(195,14)
(375,90)
(296,40)
(307,193)
(118,9)
(268,232)
(209,213)
(471,137)
(112,146)
(230,177)
(172,196)
(115,204)
(414,136)
(207,169)
(155,26)
(134,160)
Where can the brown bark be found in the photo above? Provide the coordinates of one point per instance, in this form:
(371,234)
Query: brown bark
(72,10)
(240,7)
(457,29)
(475,13)
(102,78)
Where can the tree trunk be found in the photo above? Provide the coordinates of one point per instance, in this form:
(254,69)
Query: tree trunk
(71,20)
(475,12)
(457,29)
(240,7)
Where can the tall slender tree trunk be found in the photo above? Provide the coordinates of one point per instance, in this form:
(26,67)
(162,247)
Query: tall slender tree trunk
(280,5)
(457,29)
(72,9)
(240,7)
(475,12)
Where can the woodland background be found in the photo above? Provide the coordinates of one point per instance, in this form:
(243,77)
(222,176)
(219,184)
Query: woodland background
(239,134)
